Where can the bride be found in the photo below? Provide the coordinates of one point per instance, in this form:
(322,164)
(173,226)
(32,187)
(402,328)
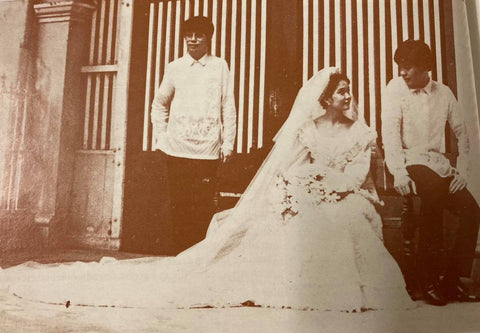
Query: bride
(305,234)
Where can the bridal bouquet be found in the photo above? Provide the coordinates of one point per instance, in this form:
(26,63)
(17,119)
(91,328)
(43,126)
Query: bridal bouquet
(300,189)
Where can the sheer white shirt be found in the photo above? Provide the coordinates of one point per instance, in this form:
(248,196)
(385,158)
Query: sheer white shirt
(193,112)
(413,128)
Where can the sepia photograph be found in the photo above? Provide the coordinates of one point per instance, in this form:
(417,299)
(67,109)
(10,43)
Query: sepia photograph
(239,166)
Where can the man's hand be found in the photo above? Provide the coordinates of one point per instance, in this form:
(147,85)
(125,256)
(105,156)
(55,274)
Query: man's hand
(402,185)
(457,184)
(225,155)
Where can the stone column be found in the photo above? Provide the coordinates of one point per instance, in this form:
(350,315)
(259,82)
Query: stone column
(56,120)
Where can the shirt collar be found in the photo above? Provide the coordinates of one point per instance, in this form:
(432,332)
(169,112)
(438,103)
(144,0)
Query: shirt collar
(426,90)
(202,61)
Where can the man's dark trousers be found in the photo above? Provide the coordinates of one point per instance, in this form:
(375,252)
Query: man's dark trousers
(435,197)
(192,185)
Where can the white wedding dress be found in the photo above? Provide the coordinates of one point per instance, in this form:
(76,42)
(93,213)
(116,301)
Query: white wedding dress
(305,236)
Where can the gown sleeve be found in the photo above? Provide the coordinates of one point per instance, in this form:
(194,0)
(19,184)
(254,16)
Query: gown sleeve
(357,164)
(352,176)
(305,136)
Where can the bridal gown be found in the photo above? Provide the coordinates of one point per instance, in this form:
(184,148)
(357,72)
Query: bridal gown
(313,241)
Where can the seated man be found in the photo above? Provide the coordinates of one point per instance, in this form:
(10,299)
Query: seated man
(414,115)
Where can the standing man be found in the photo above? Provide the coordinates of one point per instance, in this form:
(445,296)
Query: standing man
(414,115)
(194,124)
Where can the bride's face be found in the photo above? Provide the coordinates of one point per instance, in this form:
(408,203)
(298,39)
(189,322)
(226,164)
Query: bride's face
(341,97)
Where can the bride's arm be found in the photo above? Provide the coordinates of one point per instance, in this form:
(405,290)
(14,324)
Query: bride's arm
(353,175)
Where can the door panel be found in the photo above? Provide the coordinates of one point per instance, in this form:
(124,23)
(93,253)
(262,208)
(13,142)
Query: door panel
(146,227)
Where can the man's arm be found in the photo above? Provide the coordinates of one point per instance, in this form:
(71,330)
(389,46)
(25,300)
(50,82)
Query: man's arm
(459,128)
(457,124)
(392,140)
(229,115)
(161,107)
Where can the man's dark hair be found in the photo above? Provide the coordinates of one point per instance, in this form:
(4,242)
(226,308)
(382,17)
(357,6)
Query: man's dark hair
(332,85)
(198,24)
(414,53)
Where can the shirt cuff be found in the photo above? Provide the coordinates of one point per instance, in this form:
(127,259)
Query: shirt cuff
(400,173)
(226,148)
(226,151)
(159,140)
(462,167)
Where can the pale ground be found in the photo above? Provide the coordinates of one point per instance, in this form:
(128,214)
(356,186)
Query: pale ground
(18,315)
(23,316)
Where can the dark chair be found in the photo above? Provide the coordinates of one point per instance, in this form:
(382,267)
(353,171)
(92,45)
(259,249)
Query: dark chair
(411,220)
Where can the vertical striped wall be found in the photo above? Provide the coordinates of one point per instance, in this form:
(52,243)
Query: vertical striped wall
(361,36)
(239,38)
(100,74)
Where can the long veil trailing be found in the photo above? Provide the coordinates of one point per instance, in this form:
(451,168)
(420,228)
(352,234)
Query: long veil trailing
(248,253)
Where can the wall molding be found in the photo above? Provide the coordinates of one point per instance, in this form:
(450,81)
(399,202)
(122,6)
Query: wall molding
(63,11)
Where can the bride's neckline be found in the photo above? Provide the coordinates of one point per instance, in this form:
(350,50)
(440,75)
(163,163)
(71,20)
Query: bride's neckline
(327,130)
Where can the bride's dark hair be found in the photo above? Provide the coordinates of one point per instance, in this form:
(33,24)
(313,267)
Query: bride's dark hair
(332,85)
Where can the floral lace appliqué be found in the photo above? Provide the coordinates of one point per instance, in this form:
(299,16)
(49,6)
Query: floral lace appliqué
(196,128)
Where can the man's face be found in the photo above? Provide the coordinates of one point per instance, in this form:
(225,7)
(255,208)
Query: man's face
(415,77)
(197,44)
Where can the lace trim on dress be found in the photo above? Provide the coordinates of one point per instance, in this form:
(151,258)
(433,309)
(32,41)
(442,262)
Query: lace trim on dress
(348,156)
(365,138)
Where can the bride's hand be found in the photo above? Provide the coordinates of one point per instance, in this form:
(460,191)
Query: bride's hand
(402,185)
